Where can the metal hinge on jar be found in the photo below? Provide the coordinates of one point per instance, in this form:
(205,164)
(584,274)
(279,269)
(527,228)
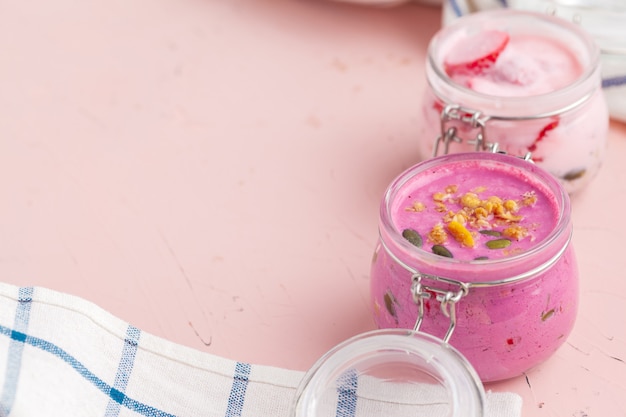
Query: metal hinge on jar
(476,120)
(447,298)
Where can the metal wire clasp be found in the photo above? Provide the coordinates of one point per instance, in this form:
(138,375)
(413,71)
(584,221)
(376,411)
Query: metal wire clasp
(476,120)
(447,298)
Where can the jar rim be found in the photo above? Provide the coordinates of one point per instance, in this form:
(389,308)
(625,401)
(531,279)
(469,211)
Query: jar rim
(388,228)
(499,15)
(420,351)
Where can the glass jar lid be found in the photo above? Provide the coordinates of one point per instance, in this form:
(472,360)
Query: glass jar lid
(390,372)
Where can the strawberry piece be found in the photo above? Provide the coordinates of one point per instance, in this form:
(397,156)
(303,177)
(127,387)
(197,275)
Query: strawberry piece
(542,134)
(476,53)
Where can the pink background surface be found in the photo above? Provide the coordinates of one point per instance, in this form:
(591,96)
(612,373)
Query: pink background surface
(210,171)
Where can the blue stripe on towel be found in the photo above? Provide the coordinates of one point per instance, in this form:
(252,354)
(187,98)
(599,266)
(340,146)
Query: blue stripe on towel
(16,347)
(115,394)
(346,401)
(614,81)
(237,395)
(124,370)
(455,8)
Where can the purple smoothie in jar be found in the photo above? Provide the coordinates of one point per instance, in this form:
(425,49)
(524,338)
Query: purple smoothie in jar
(475,249)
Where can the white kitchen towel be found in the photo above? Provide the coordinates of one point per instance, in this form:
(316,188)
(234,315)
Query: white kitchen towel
(61,355)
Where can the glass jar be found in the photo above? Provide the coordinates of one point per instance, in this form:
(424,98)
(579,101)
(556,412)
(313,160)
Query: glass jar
(538,90)
(390,372)
(603,19)
(506,312)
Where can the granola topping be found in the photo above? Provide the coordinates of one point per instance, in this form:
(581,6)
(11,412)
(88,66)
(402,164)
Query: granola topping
(475,217)
(438,235)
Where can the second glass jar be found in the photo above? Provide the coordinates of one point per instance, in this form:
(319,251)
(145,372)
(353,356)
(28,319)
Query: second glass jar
(520,82)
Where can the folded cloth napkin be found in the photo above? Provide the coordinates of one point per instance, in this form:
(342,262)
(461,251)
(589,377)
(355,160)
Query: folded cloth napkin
(61,355)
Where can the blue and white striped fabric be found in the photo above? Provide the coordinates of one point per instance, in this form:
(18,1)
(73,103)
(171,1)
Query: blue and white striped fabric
(63,356)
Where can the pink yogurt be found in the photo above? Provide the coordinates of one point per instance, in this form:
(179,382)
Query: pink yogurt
(527,65)
(514,308)
(534,83)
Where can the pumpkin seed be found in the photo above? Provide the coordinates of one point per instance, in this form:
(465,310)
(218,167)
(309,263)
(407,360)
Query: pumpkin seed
(390,302)
(442,251)
(494,233)
(413,237)
(545,316)
(574,174)
(375,255)
(498,243)
(481,258)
